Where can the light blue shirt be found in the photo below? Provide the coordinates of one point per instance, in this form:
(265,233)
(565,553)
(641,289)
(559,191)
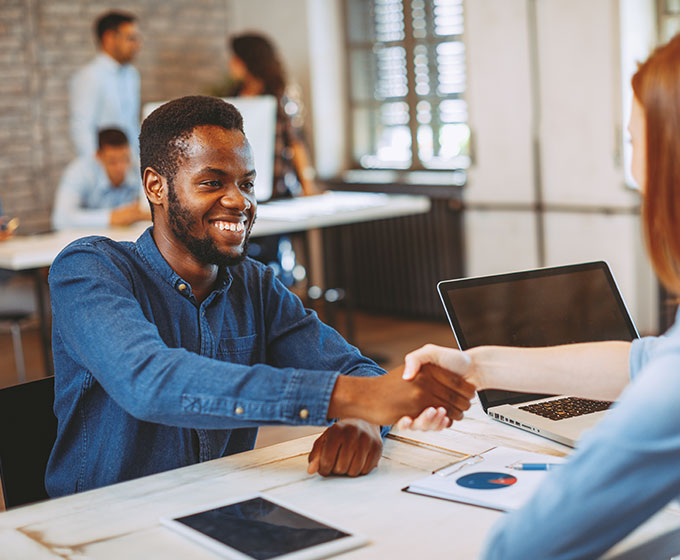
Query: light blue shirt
(625,470)
(104,94)
(85,196)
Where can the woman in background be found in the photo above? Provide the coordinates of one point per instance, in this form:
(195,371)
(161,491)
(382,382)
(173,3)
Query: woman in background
(628,467)
(255,68)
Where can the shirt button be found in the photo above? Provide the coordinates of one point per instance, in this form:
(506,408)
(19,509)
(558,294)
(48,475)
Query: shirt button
(239,410)
(182,287)
(304,413)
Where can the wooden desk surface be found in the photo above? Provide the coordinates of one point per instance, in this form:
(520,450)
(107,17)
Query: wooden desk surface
(286,216)
(122,521)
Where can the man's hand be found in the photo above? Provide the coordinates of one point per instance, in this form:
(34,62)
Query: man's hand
(129,214)
(349,447)
(384,400)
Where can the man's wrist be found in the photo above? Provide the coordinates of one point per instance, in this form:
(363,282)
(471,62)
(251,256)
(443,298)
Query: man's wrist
(347,397)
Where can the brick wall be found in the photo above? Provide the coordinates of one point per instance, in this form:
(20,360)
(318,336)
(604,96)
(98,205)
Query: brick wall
(43,42)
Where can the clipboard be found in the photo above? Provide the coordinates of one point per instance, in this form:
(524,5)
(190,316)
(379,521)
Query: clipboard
(486,479)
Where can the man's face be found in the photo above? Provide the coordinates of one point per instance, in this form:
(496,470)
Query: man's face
(237,68)
(116,161)
(125,42)
(211,200)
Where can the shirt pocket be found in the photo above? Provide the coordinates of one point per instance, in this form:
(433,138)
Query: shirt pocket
(240,350)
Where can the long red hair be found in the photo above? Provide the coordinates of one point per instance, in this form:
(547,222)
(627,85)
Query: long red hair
(656,85)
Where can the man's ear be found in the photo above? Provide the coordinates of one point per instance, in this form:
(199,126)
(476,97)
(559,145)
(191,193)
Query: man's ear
(155,186)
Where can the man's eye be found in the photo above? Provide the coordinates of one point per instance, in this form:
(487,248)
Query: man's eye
(249,186)
(211,183)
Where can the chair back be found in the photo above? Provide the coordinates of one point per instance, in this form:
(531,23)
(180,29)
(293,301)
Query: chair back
(28,429)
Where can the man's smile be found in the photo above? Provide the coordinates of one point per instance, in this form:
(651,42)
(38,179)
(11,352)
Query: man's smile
(223,225)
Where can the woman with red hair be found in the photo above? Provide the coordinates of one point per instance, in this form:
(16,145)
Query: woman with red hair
(628,467)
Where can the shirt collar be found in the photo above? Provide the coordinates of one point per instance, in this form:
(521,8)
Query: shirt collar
(107,61)
(149,251)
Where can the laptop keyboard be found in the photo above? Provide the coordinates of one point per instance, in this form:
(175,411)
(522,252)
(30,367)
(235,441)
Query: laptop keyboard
(566,407)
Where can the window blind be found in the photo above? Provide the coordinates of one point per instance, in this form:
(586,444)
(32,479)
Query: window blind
(407,82)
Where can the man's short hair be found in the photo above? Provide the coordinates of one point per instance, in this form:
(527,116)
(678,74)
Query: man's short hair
(110,21)
(160,141)
(111,137)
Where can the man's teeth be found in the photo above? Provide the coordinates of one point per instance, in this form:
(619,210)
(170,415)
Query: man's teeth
(231,226)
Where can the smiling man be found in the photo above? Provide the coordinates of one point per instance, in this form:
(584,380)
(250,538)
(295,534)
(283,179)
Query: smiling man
(173,349)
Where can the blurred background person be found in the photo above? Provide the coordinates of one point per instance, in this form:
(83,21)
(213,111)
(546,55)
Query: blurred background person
(255,68)
(105,92)
(101,190)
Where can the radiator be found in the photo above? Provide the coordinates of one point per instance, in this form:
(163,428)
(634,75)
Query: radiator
(392,266)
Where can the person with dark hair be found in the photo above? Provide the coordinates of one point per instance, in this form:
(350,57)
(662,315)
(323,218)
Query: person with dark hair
(101,190)
(172,350)
(625,469)
(255,68)
(105,92)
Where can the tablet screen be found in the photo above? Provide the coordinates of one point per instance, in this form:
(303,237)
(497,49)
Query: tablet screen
(261,529)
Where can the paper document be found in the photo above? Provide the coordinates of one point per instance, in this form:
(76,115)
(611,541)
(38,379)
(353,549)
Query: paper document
(487,479)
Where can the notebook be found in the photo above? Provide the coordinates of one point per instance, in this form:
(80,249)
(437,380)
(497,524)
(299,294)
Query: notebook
(540,307)
(488,479)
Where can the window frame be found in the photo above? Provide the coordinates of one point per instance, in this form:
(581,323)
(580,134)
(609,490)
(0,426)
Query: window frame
(412,98)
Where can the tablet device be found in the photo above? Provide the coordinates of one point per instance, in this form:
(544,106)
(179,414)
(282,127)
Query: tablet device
(258,527)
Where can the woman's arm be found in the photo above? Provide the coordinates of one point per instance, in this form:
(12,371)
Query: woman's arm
(597,370)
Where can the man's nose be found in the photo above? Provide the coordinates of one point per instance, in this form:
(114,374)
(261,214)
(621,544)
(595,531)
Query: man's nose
(234,198)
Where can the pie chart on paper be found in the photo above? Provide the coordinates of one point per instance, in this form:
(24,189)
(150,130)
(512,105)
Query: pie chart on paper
(486,481)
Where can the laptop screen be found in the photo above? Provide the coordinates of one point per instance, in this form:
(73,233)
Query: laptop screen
(544,307)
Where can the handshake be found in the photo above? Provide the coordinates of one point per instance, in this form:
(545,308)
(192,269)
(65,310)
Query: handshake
(431,390)
(420,395)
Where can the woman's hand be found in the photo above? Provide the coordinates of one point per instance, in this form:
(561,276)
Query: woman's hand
(455,361)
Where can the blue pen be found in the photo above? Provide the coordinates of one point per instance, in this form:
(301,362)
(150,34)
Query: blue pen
(534,466)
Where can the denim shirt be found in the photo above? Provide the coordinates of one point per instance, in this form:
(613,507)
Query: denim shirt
(147,379)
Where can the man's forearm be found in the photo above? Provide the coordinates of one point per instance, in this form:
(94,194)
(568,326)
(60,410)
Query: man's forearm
(346,399)
(596,370)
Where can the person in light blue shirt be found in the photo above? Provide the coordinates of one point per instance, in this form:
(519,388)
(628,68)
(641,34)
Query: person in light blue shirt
(100,190)
(172,350)
(628,467)
(105,92)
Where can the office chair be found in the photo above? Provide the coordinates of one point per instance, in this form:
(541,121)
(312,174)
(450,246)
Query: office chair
(28,429)
(15,318)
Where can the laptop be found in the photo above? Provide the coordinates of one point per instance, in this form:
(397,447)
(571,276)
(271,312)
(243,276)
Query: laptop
(541,307)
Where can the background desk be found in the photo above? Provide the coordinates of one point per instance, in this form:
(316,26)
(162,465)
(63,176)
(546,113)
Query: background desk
(31,253)
(121,521)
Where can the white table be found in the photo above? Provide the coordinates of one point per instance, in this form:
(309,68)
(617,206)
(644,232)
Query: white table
(122,521)
(284,216)
(31,253)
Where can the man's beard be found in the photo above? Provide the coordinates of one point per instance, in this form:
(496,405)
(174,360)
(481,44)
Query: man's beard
(203,249)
